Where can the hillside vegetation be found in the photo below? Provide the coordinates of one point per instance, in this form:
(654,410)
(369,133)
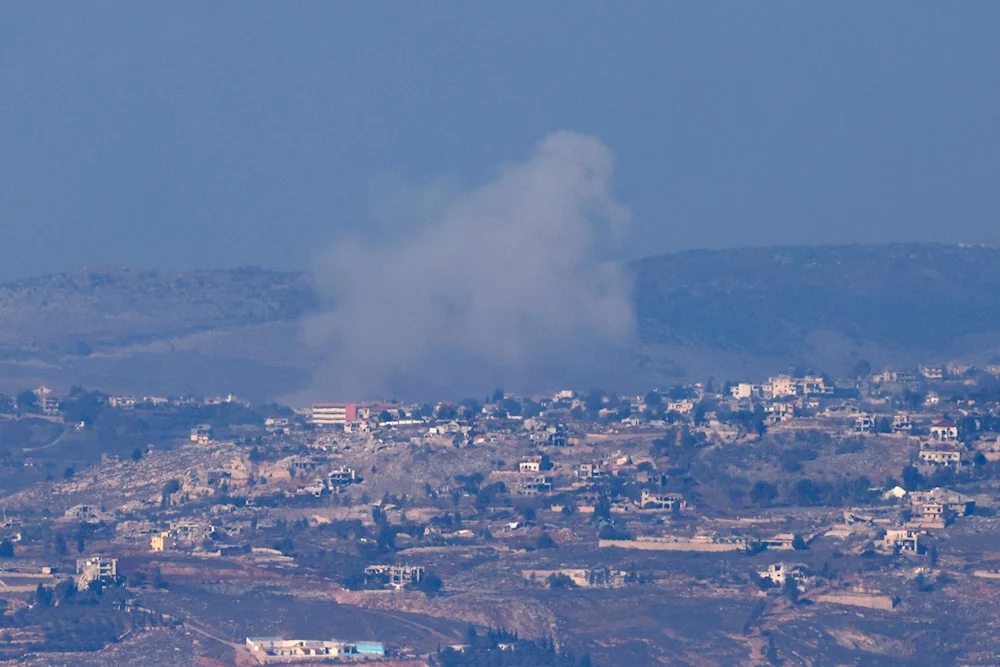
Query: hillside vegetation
(906,302)
(727,313)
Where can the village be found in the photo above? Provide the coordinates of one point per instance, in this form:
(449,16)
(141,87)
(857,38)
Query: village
(799,495)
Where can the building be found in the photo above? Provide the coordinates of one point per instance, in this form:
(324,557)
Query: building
(864,423)
(658,501)
(122,402)
(780,542)
(944,430)
(338,414)
(530,464)
(556,436)
(399,576)
(904,539)
(581,578)
(333,414)
(164,541)
(940,456)
(202,434)
(742,391)
(270,650)
(957,503)
(779,573)
(95,568)
(931,514)
(47,403)
(341,476)
(901,423)
(534,485)
(590,471)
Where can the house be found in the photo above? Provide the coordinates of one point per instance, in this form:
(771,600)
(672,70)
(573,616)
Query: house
(95,568)
(580,577)
(122,402)
(534,485)
(341,476)
(665,501)
(277,425)
(944,430)
(556,435)
(682,407)
(590,471)
(87,514)
(932,372)
(781,386)
(779,573)
(906,540)
(957,503)
(780,542)
(398,576)
(940,456)
(901,423)
(47,403)
(864,423)
(931,514)
(272,650)
(530,464)
(202,434)
(163,541)
(742,391)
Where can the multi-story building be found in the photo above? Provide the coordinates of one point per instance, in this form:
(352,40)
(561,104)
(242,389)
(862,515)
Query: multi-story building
(95,568)
(333,414)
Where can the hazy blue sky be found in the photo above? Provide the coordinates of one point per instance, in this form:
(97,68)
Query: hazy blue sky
(182,135)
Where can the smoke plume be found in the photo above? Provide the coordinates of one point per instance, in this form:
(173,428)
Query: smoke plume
(455,291)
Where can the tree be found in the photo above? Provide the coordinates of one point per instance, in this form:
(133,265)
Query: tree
(156,578)
(27,401)
(43,596)
(136,454)
(430,584)
(912,478)
(60,544)
(763,493)
(6,549)
(68,472)
(545,541)
(862,369)
(80,542)
(385,416)
(138,578)
(595,400)
(791,589)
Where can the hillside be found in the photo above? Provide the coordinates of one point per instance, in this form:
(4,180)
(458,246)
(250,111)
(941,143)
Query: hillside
(825,305)
(728,313)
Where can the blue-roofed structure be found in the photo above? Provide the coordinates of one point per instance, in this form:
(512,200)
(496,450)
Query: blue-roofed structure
(374,649)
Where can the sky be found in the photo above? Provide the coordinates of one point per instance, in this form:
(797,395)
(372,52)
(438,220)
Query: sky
(202,135)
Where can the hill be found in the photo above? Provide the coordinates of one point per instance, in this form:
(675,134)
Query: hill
(154,331)
(726,313)
(824,306)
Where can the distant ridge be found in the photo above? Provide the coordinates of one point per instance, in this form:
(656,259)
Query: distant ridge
(907,302)
(722,313)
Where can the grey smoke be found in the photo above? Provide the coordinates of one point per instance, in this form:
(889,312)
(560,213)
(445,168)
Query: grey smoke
(458,290)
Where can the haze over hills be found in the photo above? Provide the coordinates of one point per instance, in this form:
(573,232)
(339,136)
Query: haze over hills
(727,314)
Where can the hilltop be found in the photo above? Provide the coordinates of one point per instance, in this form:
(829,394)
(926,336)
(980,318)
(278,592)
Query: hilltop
(724,313)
